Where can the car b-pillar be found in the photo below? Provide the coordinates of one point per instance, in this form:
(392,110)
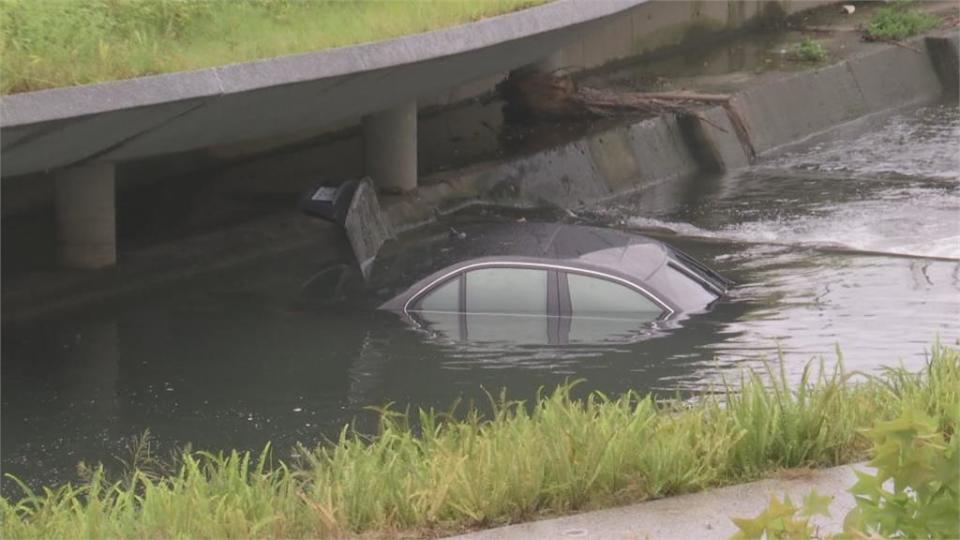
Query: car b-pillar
(390,148)
(86,216)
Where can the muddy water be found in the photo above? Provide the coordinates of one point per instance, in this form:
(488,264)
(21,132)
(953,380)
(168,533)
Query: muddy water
(849,240)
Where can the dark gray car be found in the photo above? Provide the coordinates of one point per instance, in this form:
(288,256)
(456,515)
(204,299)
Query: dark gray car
(543,282)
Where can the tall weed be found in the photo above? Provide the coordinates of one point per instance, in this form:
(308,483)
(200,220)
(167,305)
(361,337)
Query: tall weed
(459,471)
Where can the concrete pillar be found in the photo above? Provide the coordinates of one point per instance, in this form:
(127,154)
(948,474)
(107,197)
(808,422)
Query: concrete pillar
(86,216)
(390,148)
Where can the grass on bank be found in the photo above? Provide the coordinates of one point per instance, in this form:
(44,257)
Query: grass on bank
(808,50)
(898,21)
(68,42)
(555,456)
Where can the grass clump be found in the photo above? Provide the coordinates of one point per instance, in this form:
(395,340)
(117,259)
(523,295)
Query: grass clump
(899,20)
(456,472)
(809,50)
(54,43)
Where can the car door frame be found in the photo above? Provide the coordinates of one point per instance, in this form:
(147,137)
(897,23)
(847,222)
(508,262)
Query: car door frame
(552,299)
(558,297)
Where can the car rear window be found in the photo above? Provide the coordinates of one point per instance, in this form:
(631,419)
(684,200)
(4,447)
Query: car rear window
(682,288)
(446,297)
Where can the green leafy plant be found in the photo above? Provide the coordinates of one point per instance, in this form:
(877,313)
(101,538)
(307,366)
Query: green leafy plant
(809,50)
(914,493)
(782,520)
(920,464)
(899,21)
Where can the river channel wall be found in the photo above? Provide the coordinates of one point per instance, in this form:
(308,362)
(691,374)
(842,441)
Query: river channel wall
(775,110)
(455,127)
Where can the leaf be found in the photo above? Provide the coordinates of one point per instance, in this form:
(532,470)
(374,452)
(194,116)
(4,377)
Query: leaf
(749,528)
(815,504)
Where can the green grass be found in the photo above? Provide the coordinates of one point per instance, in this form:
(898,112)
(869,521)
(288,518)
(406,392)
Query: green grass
(464,471)
(51,43)
(899,21)
(809,50)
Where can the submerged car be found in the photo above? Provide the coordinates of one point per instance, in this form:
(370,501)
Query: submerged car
(528,282)
(543,282)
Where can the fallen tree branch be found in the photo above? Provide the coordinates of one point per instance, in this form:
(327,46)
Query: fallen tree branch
(548,96)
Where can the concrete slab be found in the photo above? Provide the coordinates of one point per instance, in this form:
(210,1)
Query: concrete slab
(57,144)
(660,150)
(714,142)
(945,55)
(793,107)
(704,515)
(913,80)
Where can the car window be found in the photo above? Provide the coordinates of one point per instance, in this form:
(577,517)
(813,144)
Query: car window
(507,290)
(510,329)
(681,288)
(597,297)
(446,297)
(617,329)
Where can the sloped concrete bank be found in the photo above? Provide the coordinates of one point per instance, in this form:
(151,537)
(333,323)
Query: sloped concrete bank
(776,108)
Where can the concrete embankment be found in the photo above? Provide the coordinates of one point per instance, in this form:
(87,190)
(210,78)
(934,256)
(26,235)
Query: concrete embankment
(777,108)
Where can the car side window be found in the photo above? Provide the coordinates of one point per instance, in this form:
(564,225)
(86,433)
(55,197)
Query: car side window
(597,297)
(506,290)
(445,297)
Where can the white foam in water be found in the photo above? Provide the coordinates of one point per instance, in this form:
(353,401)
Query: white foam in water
(894,188)
(922,142)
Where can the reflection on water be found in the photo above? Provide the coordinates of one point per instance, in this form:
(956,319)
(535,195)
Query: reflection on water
(237,360)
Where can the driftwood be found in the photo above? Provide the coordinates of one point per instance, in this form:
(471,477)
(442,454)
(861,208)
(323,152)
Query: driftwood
(552,97)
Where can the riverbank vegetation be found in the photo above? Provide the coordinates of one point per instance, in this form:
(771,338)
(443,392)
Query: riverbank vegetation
(63,43)
(899,20)
(922,501)
(461,471)
(808,50)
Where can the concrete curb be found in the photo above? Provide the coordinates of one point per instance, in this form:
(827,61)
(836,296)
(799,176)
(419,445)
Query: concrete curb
(704,515)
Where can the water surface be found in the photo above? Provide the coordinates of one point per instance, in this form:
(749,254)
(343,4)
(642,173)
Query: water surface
(851,239)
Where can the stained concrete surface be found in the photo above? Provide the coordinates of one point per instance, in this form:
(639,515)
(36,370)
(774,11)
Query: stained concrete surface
(705,515)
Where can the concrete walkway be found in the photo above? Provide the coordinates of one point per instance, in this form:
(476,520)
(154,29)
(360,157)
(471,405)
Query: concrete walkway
(704,515)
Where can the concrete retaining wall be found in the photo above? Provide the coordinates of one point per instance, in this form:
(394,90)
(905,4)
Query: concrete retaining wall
(646,155)
(644,29)
(450,133)
(777,110)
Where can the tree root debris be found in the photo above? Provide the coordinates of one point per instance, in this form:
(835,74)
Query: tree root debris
(547,96)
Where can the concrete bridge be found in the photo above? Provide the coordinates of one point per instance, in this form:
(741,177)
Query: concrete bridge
(78,135)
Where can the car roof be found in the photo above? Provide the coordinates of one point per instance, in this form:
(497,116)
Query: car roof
(405,263)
